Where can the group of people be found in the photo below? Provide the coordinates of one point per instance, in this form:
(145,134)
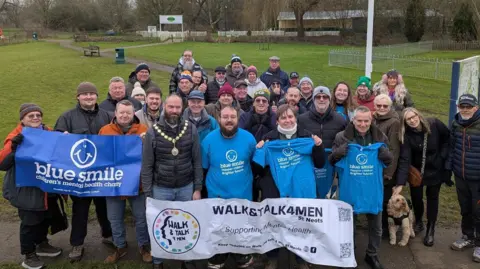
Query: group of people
(199,143)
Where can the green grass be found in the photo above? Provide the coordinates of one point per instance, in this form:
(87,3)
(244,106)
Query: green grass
(306,59)
(111,45)
(50,77)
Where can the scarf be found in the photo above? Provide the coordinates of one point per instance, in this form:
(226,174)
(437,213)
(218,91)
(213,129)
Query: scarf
(287,132)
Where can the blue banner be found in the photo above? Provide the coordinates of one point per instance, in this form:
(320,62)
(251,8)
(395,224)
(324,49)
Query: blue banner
(324,177)
(80,165)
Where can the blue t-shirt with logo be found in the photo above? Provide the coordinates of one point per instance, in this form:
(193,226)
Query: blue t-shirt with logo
(361,178)
(228,162)
(291,166)
(324,177)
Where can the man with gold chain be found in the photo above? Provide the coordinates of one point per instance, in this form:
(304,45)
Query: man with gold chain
(172,163)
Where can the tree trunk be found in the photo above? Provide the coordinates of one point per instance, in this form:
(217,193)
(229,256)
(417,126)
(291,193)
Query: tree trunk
(299,21)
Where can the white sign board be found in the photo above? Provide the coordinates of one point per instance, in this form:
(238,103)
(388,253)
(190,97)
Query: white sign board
(465,79)
(152,29)
(319,231)
(171,19)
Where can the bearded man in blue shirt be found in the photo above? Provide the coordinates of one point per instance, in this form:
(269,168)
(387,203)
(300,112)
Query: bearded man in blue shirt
(226,155)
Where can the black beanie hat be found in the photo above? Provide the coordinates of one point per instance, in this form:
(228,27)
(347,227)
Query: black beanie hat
(142,66)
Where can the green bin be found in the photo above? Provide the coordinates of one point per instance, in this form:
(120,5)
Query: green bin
(35,36)
(120,55)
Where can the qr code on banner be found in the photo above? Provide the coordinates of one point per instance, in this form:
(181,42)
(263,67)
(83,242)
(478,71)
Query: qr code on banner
(344,214)
(345,250)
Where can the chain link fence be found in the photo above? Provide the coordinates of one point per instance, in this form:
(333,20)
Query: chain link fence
(398,57)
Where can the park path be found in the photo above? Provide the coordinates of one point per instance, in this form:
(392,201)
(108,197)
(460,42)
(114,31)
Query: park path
(414,256)
(109,53)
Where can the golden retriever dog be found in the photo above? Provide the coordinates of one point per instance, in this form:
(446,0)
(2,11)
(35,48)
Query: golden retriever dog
(399,214)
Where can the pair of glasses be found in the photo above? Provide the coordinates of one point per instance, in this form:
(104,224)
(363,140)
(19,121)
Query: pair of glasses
(220,73)
(322,97)
(36,115)
(465,107)
(382,106)
(411,118)
(261,101)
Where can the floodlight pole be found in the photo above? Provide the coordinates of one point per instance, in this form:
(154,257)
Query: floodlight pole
(368,54)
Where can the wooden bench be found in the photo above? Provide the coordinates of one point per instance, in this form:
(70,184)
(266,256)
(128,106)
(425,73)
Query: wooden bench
(91,51)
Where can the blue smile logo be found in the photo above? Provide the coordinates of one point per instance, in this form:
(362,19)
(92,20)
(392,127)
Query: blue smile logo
(288,152)
(83,153)
(362,159)
(231,155)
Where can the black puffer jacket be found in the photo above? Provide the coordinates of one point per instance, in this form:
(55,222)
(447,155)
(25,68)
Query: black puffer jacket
(411,152)
(325,126)
(109,104)
(256,124)
(464,157)
(211,94)
(80,121)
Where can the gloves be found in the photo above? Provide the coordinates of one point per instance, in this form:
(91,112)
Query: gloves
(448,180)
(17,140)
(342,151)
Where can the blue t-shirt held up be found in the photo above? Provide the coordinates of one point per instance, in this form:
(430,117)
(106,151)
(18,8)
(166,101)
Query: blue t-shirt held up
(361,178)
(324,177)
(291,166)
(228,162)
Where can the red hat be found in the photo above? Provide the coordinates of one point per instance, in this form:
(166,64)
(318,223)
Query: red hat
(226,88)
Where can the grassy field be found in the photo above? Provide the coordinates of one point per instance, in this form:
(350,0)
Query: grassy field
(430,95)
(48,75)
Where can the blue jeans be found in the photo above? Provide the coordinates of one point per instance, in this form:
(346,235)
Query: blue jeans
(116,213)
(171,194)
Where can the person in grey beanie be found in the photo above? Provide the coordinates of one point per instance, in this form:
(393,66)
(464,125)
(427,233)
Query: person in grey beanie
(306,91)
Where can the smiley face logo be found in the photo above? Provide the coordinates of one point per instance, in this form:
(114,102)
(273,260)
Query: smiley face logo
(176,231)
(361,159)
(231,155)
(83,153)
(288,152)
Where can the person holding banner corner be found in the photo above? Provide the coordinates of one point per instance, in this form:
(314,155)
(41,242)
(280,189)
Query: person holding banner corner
(85,118)
(32,203)
(126,123)
(226,156)
(171,159)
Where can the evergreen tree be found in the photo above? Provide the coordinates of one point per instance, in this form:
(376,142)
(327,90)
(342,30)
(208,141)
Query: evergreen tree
(464,27)
(415,21)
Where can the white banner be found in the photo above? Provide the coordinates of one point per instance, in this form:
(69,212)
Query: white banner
(171,19)
(319,231)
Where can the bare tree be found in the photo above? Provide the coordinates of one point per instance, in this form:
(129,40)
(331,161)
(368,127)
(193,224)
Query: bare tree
(116,14)
(13,9)
(300,7)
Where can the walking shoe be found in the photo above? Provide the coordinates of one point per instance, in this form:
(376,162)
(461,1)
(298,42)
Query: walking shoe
(419,227)
(373,262)
(32,262)
(76,254)
(44,249)
(145,253)
(215,266)
(476,254)
(108,241)
(115,256)
(462,243)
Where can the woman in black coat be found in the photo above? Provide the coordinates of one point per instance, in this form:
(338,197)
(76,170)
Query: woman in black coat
(419,136)
(286,130)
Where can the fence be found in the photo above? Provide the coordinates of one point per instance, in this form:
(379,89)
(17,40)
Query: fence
(414,67)
(453,45)
(164,35)
(405,49)
(276,33)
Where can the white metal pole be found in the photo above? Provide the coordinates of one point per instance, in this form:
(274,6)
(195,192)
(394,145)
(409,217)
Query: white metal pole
(368,54)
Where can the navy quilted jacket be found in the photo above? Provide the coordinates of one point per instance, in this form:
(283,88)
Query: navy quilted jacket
(464,158)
